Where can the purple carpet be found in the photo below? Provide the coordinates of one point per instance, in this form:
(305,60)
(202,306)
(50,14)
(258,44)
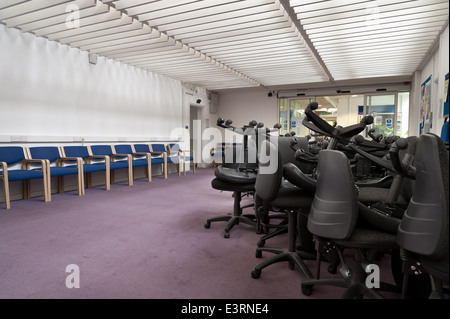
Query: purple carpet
(146,241)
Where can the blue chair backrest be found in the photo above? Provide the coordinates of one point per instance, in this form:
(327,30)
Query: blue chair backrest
(50,153)
(174,147)
(123,149)
(142,148)
(11,154)
(76,151)
(158,148)
(102,150)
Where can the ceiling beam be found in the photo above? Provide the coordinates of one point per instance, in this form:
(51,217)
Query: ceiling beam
(293,16)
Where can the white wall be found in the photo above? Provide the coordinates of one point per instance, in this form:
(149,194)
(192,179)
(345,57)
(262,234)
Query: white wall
(242,107)
(51,91)
(437,66)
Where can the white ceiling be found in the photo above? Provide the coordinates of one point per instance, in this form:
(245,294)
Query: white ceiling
(224,44)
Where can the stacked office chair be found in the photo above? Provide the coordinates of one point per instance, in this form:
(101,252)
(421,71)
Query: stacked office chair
(290,200)
(423,232)
(333,220)
(237,173)
(294,174)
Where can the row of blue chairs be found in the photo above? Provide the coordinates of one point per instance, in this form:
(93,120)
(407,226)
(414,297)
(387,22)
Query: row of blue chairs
(45,162)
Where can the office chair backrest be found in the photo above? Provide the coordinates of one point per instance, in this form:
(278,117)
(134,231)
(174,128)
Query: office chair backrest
(268,181)
(11,154)
(45,152)
(424,226)
(288,154)
(334,209)
(76,151)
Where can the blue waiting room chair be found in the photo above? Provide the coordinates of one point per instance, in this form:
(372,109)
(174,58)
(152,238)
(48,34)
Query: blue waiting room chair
(160,149)
(174,148)
(116,160)
(137,159)
(90,165)
(56,166)
(11,156)
(157,157)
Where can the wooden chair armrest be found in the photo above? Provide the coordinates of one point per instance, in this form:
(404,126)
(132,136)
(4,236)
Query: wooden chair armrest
(128,156)
(26,163)
(4,166)
(104,157)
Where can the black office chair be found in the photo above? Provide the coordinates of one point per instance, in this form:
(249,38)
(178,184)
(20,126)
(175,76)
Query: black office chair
(290,200)
(237,173)
(239,180)
(295,174)
(333,222)
(423,232)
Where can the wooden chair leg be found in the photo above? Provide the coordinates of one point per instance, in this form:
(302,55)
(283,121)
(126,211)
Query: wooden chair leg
(6,191)
(26,189)
(88,178)
(47,187)
(149,172)
(60,184)
(81,184)
(130,175)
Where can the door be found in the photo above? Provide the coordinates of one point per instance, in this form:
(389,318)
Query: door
(292,113)
(383,109)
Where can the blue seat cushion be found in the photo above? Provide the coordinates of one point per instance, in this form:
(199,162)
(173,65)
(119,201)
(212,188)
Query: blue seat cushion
(116,165)
(20,175)
(140,162)
(89,168)
(61,171)
(158,160)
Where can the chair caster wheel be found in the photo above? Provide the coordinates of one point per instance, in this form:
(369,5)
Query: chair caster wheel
(261,243)
(258,254)
(226,235)
(332,269)
(307,290)
(207,225)
(256,273)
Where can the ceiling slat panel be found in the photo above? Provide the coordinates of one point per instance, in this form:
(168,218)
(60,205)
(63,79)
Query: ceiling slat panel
(222,44)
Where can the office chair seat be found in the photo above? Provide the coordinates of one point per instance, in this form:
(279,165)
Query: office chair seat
(235,176)
(371,239)
(241,184)
(221,185)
